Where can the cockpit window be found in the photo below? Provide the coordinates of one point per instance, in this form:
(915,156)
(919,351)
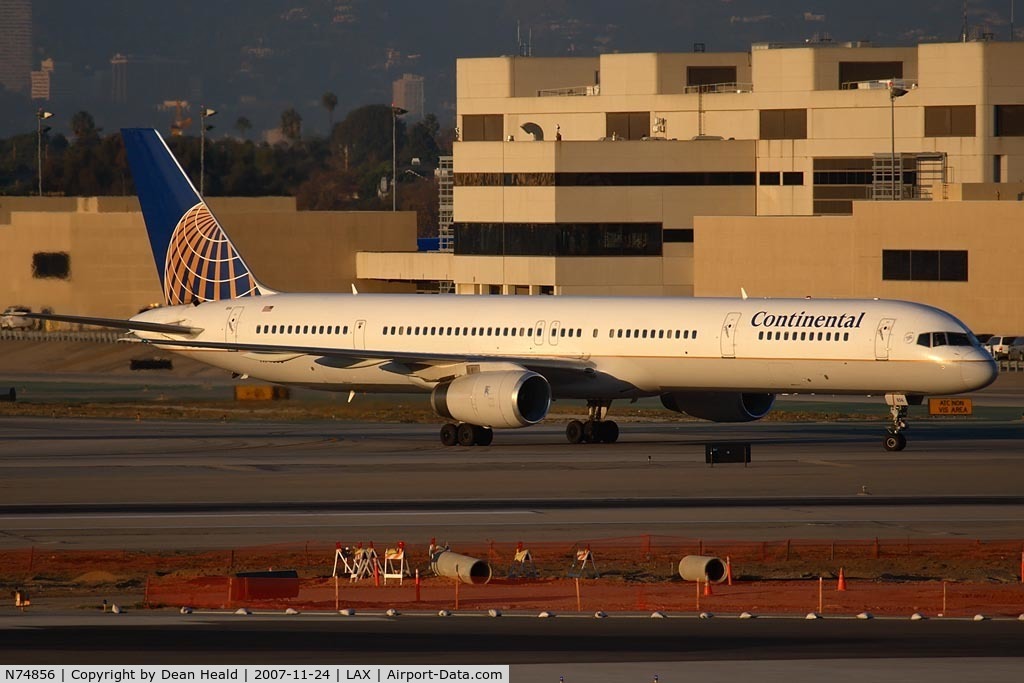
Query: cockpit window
(958,339)
(933,339)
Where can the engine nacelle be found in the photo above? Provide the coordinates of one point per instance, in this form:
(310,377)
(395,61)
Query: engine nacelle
(718,406)
(501,400)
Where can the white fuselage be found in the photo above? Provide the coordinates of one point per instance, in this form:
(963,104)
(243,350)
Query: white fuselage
(632,346)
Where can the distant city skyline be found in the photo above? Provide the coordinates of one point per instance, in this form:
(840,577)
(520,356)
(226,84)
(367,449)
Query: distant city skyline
(258,58)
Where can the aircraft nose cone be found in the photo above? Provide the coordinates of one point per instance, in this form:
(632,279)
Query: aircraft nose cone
(978,371)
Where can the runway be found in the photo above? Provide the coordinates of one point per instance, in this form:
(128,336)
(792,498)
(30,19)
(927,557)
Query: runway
(152,485)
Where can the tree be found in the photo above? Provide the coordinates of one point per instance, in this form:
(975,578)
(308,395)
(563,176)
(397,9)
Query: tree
(329,101)
(83,126)
(291,124)
(422,142)
(366,133)
(243,125)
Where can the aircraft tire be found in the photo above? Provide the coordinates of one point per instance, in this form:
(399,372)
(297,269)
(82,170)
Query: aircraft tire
(449,435)
(590,432)
(574,431)
(483,436)
(466,434)
(608,431)
(894,442)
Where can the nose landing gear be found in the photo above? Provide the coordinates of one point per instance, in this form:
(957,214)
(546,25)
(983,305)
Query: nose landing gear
(894,440)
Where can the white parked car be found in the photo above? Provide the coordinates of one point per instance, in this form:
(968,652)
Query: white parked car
(8,321)
(1015,349)
(999,346)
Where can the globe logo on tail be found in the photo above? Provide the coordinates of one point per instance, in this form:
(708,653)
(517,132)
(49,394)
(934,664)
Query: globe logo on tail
(202,265)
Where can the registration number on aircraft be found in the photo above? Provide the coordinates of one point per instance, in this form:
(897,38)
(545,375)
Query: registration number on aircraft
(950,406)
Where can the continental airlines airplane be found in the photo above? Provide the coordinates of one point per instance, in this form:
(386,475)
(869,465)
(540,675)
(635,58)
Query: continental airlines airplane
(497,362)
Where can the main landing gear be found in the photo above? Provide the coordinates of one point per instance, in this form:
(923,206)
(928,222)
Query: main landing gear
(596,429)
(465,434)
(894,440)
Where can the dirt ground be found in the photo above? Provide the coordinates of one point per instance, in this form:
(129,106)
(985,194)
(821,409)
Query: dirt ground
(959,578)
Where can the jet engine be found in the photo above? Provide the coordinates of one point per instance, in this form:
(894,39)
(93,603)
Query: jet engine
(718,406)
(501,400)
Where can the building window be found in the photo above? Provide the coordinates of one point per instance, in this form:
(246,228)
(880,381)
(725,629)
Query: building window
(839,181)
(710,75)
(558,239)
(629,125)
(677,235)
(854,72)
(793,178)
(783,124)
(606,179)
(769,178)
(1009,120)
(944,122)
(483,127)
(56,264)
(927,265)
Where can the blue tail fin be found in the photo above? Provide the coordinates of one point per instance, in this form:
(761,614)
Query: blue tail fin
(194,256)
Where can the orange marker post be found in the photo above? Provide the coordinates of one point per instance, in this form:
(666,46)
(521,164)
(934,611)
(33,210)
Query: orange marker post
(842,581)
(728,571)
(417,585)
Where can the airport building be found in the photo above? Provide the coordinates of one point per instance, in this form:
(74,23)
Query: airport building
(820,169)
(826,170)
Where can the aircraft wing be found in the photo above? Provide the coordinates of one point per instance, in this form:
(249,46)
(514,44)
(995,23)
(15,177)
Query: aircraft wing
(344,357)
(117,323)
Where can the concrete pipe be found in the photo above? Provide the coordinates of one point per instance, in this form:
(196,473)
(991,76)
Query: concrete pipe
(702,568)
(466,569)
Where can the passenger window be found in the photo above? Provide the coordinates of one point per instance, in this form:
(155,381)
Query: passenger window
(686,334)
(345,330)
(785,336)
(846,336)
(778,336)
(693,335)
(385,332)
(401,330)
(760,334)
(618,333)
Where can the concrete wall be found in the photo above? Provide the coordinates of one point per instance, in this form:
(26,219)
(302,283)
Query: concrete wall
(112,268)
(825,256)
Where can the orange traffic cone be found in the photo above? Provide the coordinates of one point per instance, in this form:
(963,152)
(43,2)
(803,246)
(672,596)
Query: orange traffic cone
(842,581)
(707,589)
(728,571)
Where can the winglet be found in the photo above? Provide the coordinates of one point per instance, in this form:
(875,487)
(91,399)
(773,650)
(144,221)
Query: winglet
(743,294)
(354,290)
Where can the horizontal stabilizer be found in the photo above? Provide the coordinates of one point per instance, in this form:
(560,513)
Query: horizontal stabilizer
(116,323)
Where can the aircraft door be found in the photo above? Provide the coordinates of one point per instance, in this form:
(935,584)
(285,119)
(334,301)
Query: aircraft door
(538,333)
(553,332)
(728,339)
(882,336)
(359,335)
(231,329)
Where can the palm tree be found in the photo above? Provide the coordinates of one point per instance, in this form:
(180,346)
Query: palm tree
(291,124)
(329,101)
(243,125)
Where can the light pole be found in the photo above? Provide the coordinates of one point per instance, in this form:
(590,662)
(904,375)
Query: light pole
(395,113)
(894,92)
(204,114)
(40,115)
